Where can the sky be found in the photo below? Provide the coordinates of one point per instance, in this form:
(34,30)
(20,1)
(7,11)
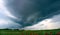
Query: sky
(5,22)
(47,24)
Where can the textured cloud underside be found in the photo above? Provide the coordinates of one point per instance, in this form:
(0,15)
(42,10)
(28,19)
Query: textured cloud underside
(51,23)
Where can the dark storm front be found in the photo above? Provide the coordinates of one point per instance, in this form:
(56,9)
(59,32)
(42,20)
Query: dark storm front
(32,11)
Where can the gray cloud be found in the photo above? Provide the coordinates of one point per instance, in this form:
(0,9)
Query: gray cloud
(51,23)
(24,9)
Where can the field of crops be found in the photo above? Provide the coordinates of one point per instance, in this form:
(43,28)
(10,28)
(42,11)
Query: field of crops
(29,32)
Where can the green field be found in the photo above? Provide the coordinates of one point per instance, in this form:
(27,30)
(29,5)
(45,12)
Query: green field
(30,32)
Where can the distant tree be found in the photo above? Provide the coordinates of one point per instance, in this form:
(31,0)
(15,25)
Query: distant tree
(6,29)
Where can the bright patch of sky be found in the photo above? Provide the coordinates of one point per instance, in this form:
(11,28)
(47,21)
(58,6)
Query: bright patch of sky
(51,23)
(5,22)
(4,10)
(8,24)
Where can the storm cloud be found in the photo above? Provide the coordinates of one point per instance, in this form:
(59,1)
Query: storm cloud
(30,12)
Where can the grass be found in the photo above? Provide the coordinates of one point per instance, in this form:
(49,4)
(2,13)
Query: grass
(29,32)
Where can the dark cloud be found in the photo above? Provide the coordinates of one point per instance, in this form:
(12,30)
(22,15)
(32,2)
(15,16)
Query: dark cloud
(25,8)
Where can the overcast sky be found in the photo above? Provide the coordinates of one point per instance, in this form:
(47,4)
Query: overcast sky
(5,22)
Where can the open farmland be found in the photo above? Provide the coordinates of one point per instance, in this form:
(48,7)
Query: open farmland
(29,32)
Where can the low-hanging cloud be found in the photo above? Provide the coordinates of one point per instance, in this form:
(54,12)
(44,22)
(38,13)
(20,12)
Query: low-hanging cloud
(32,10)
(51,23)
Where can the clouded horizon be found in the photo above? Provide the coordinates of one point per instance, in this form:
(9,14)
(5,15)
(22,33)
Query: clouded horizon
(5,21)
